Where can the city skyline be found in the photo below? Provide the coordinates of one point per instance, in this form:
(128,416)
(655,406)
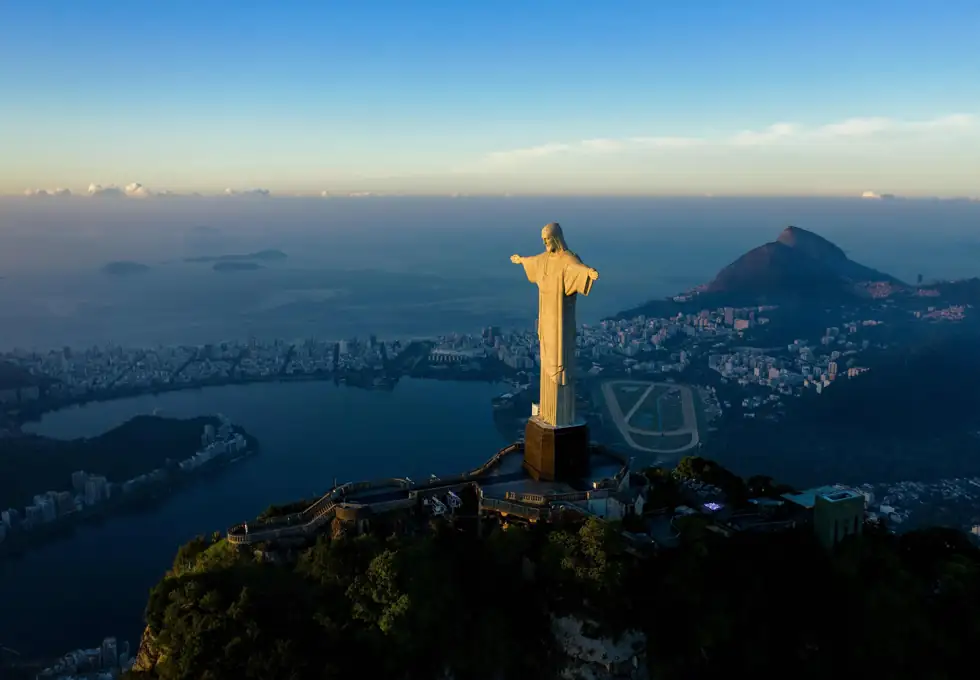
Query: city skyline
(761,99)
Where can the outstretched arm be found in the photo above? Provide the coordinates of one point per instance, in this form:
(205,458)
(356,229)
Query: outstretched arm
(530,265)
(579,278)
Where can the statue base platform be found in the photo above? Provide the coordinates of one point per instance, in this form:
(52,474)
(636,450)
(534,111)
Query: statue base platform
(555,453)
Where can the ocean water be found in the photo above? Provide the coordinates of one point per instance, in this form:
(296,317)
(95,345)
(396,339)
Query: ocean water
(74,592)
(403,267)
(394,267)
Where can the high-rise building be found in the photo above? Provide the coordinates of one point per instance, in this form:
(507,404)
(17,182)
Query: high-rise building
(49,511)
(78,481)
(65,502)
(208,435)
(838,514)
(95,490)
(110,653)
(10,517)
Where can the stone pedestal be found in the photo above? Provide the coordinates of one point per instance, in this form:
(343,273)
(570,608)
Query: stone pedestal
(555,453)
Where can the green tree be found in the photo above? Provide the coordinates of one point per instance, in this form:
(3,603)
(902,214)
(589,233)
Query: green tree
(187,554)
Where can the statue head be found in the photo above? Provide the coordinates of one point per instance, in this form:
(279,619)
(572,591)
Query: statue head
(554,241)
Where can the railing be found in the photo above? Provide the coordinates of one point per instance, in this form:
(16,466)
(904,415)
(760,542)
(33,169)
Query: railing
(581,509)
(324,508)
(309,518)
(552,498)
(284,528)
(495,460)
(517,509)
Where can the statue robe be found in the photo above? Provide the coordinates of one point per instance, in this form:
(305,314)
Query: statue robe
(560,277)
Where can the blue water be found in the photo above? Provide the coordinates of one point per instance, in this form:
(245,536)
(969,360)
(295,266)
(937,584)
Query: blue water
(407,267)
(398,268)
(77,591)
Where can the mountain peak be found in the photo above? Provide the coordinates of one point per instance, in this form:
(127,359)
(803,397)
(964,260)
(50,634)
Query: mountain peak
(797,264)
(810,244)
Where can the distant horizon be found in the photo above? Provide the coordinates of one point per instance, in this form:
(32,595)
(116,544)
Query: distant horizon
(265,194)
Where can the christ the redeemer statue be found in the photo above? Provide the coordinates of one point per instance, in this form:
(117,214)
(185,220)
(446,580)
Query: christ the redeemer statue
(560,277)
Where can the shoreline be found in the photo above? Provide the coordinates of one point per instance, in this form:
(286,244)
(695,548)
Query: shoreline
(366,382)
(19,542)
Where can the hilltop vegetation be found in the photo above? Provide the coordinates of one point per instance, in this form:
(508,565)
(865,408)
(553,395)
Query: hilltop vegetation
(913,416)
(415,606)
(34,464)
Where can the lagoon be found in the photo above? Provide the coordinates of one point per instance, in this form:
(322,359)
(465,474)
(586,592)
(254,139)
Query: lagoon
(75,592)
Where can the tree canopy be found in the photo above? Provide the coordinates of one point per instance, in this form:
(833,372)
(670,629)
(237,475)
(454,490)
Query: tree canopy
(418,605)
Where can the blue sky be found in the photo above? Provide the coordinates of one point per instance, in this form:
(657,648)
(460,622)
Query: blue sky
(549,97)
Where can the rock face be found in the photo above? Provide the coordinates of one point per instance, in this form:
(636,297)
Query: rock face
(798,263)
(148,654)
(591,657)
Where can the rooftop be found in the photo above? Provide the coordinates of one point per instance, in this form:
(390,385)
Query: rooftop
(833,493)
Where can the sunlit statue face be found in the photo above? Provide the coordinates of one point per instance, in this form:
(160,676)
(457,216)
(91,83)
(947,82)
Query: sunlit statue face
(551,236)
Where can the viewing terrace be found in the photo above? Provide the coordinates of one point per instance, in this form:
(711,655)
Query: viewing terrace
(500,480)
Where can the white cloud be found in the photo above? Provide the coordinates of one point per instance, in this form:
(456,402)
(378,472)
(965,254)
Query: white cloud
(771,135)
(665,142)
(778,133)
(870,194)
(47,193)
(530,152)
(603,145)
(110,191)
(349,194)
(246,192)
(866,127)
(131,190)
(137,190)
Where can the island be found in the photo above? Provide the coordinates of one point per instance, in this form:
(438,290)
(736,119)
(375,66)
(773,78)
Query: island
(235,266)
(261,255)
(50,485)
(716,576)
(124,268)
(735,382)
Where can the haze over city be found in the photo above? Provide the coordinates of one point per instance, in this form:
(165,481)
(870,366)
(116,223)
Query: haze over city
(759,98)
(489,340)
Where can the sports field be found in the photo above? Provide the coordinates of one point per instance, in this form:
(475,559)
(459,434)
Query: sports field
(653,417)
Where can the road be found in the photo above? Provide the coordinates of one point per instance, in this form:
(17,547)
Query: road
(623,420)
